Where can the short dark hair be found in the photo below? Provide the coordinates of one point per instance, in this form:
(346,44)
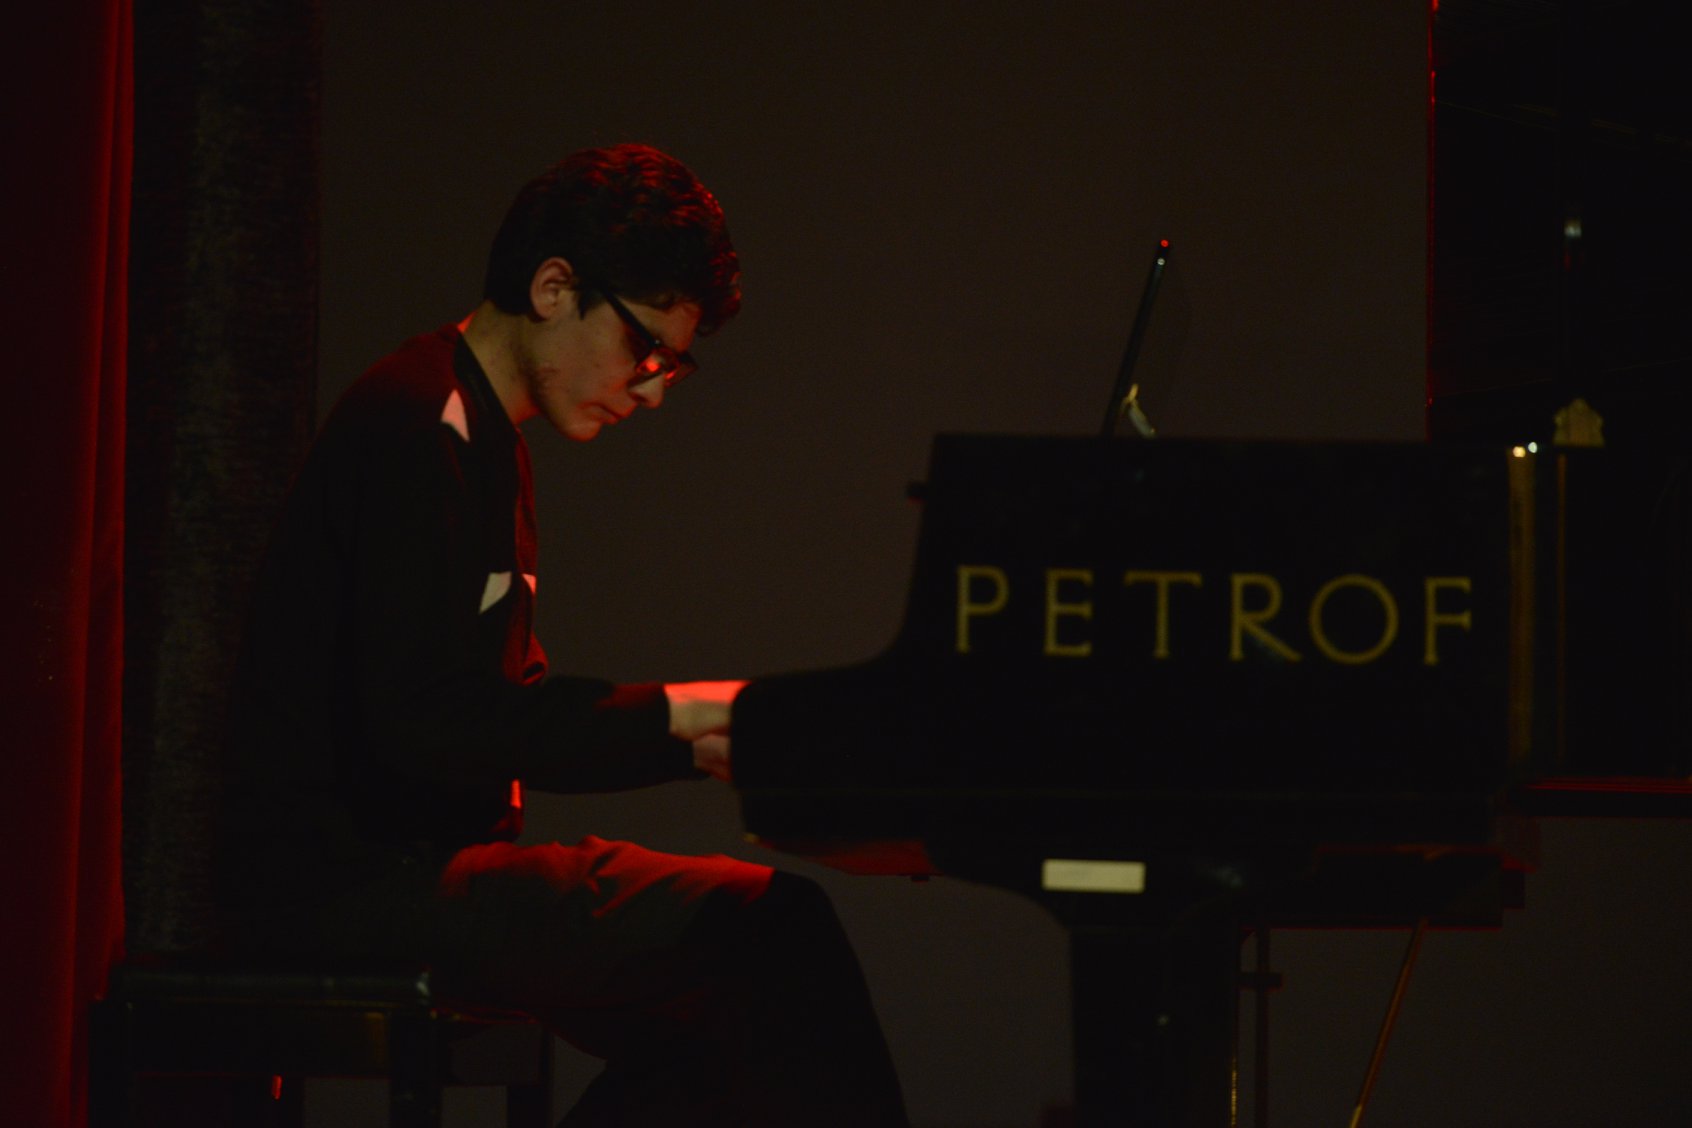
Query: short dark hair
(627,218)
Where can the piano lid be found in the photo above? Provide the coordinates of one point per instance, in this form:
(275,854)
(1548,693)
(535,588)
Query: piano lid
(1108,616)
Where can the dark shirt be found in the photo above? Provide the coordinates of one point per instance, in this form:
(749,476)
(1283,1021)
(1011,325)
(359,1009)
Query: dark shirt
(390,689)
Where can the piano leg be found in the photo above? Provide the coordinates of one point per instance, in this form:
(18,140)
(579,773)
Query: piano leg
(1155,1023)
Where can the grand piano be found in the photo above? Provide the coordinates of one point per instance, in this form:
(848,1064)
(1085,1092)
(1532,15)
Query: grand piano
(1176,690)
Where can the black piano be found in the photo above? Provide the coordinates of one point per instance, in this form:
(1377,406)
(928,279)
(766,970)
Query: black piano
(1176,690)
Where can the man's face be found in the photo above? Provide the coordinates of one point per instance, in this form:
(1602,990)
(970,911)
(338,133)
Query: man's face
(580,371)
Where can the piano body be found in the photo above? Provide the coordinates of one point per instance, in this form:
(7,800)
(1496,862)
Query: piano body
(1172,689)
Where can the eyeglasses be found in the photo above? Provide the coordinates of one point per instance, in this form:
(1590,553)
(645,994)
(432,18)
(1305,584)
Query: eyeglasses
(659,360)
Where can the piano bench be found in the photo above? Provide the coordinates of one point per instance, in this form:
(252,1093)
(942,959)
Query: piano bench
(236,1044)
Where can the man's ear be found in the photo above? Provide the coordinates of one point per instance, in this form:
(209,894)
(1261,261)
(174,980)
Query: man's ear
(552,290)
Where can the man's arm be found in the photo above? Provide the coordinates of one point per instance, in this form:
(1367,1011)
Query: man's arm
(430,697)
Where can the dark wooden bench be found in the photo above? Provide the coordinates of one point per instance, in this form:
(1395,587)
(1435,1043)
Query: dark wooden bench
(264,1031)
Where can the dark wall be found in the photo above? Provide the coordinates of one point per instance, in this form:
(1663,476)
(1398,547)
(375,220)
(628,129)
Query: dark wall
(945,213)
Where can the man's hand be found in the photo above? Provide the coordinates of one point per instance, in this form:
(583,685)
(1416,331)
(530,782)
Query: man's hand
(701,708)
(700,712)
(711,756)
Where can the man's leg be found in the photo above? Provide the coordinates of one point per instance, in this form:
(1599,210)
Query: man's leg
(811,1048)
(718,993)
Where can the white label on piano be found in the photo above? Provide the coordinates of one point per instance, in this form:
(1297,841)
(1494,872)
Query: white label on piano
(1077,875)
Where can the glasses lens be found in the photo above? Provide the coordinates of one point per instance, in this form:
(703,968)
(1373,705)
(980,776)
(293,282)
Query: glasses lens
(682,365)
(658,362)
(653,358)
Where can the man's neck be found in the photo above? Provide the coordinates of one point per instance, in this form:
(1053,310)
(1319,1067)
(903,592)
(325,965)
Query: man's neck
(492,336)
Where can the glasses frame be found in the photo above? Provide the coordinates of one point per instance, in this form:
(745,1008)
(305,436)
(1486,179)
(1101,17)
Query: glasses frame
(660,360)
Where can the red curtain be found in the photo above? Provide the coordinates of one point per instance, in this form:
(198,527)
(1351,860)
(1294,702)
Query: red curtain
(67,145)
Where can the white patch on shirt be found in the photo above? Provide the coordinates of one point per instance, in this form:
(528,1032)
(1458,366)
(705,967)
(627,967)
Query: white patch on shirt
(530,580)
(498,584)
(453,416)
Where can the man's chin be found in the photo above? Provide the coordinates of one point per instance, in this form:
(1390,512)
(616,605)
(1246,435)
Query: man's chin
(581,430)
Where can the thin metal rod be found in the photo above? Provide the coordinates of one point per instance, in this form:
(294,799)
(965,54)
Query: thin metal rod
(1375,1059)
(1260,1112)
(1119,393)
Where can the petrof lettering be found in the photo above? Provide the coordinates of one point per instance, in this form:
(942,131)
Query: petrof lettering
(1436,618)
(1241,621)
(1160,636)
(968,607)
(1388,632)
(1056,609)
(1340,627)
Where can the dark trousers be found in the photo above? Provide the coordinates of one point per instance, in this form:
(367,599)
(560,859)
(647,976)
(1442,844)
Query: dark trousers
(718,993)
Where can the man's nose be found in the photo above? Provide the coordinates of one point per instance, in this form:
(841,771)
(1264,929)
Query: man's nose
(649,392)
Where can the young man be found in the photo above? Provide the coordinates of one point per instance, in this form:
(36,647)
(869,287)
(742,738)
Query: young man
(392,701)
